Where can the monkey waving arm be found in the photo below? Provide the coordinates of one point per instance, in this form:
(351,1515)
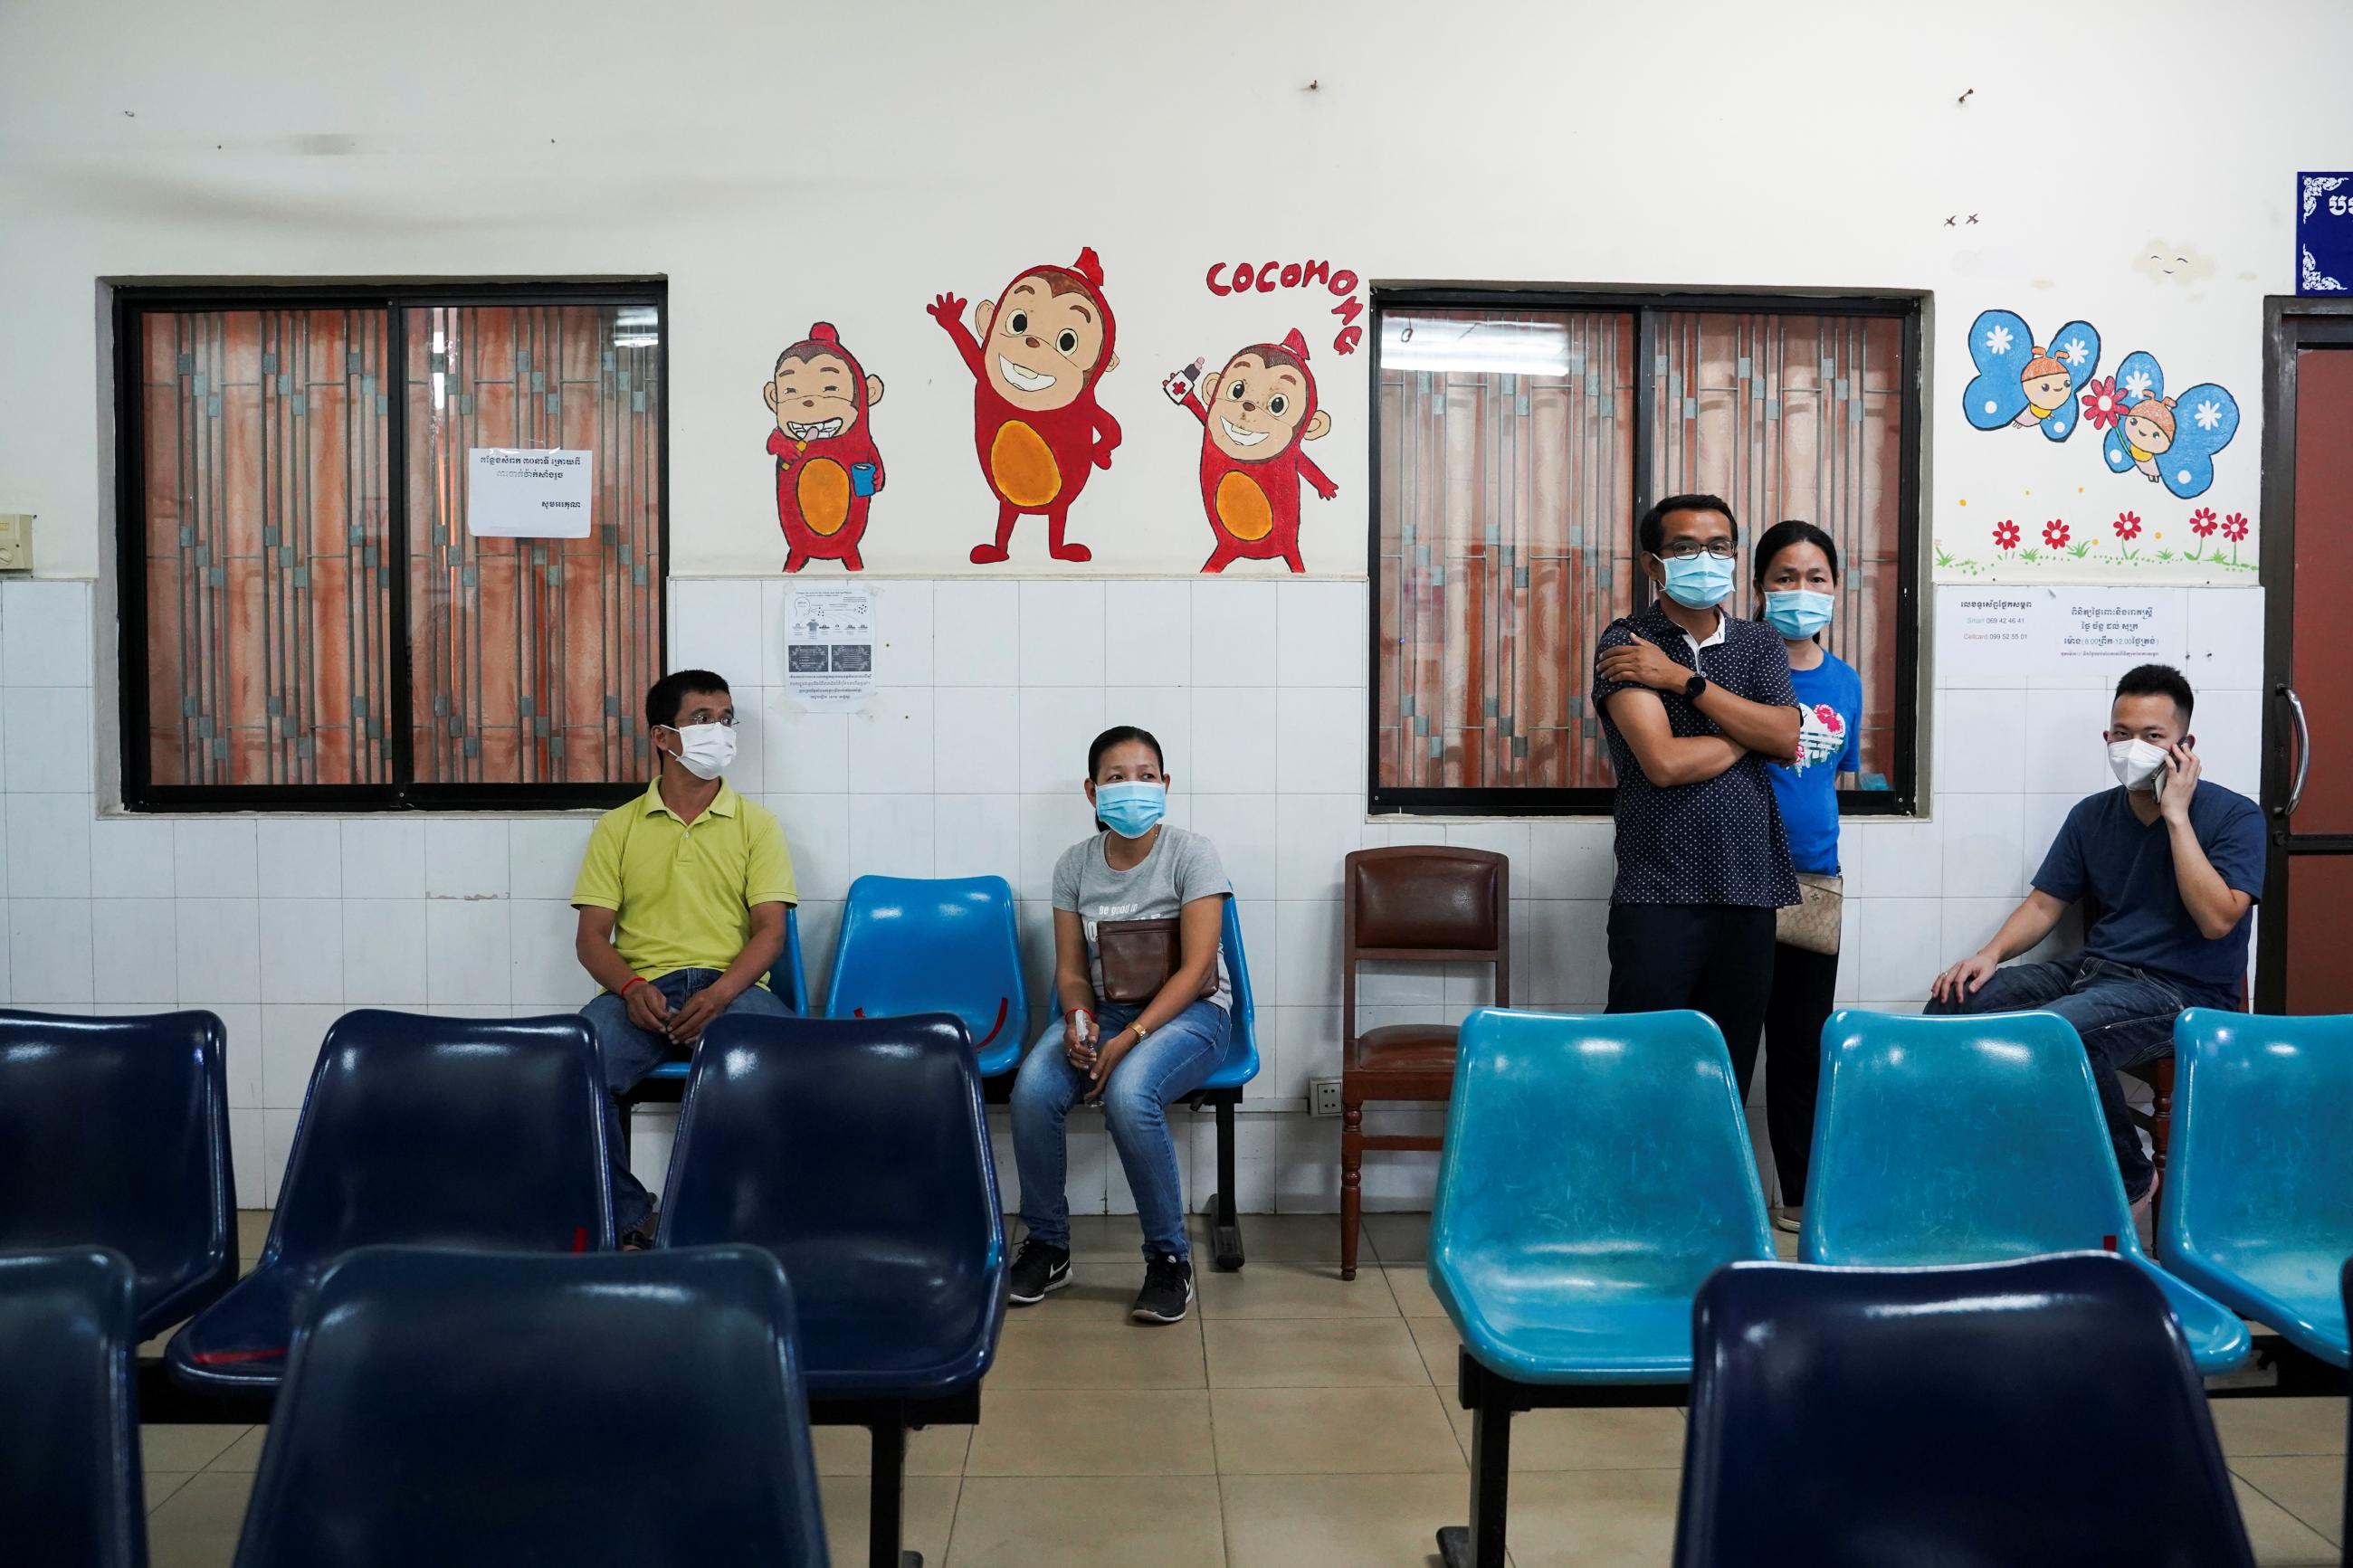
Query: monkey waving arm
(1323,487)
(947,310)
(1184,395)
(1107,437)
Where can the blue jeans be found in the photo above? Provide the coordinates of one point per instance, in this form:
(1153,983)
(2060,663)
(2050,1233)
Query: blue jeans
(631,1053)
(2125,1016)
(1174,1061)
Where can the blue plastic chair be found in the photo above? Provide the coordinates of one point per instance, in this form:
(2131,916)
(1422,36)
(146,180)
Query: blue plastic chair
(788,981)
(2259,1208)
(1974,1140)
(857,1151)
(486,1133)
(114,1132)
(1596,1172)
(69,1486)
(945,945)
(481,1410)
(1223,1091)
(2039,1414)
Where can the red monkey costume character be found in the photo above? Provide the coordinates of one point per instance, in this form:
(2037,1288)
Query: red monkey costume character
(1041,349)
(827,470)
(1261,407)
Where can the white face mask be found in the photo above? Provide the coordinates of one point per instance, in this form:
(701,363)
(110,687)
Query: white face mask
(705,750)
(2135,763)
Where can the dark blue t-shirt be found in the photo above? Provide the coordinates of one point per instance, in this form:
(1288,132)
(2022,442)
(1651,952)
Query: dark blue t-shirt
(2104,850)
(1830,743)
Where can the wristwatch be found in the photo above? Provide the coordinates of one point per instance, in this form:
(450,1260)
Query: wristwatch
(1693,686)
(1139,1031)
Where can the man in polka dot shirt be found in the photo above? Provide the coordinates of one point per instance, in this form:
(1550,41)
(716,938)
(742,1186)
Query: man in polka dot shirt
(1695,706)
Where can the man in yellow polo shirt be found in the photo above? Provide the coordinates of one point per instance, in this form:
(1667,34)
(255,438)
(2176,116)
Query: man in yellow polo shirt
(681,900)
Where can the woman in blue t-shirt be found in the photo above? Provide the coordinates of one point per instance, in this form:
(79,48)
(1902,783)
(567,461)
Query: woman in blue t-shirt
(1797,585)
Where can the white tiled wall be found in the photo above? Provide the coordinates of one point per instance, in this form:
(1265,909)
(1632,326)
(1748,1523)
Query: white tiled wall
(970,761)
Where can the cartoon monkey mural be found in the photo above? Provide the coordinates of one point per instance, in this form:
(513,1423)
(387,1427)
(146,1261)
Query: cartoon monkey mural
(828,469)
(1041,349)
(1259,409)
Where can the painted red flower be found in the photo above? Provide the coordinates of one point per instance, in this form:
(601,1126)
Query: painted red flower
(1829,718)
(2054,535)
(2234,527)
(2005,535)
(2102,406)
(2127,525)
(2201,523)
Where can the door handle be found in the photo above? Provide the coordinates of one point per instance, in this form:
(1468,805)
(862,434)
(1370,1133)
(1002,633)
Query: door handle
(2303,750)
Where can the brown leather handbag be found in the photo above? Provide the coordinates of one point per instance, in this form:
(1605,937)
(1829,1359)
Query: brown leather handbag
(1812,925)
(1138,958)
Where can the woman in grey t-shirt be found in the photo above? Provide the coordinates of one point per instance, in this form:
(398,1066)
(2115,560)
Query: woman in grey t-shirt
(1135,1060)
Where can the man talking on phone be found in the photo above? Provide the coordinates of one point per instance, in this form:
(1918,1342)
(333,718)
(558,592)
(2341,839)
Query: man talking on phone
(2174,865)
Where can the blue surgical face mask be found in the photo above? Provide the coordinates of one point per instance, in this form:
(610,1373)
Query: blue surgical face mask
(1131,808)
(1797,612)
(1699,584)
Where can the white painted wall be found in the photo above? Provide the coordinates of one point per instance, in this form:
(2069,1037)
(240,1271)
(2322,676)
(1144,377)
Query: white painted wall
(784,162)
(780,162)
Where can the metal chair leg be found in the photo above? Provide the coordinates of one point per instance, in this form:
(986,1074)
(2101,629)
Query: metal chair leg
(885,1494)
(1225,1220)
(1479,1545)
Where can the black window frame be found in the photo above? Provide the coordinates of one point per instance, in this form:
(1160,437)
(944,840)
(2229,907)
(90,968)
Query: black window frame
(130,303)
(1902,797)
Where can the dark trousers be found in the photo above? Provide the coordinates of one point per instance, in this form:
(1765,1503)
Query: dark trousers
(1716,958)
(2125,1016)
(1805,986)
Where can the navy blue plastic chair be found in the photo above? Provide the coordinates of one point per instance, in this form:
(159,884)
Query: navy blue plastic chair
(114,1132)
(481,1410)
(857,1151)
(1596,1172)
(69,1487)
(461,1133)
(1223,1091)
(2259,1210)
(788,981)
(2040,1414)
(1975,1140)
(944,944)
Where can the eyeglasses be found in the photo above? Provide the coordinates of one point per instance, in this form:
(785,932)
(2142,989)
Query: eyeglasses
(702,716)
(1684,550)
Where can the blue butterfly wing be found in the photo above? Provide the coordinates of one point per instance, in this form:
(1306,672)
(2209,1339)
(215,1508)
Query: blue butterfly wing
(2205,418)
(2137,377)
(1999,345)
(2076,345)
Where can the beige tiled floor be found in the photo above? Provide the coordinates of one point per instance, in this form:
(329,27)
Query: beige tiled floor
(1296,1421)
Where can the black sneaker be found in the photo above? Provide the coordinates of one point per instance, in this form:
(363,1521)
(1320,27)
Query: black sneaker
(1036,1270)
(1167,1290)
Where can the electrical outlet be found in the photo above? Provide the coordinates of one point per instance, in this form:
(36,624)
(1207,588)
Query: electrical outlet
(15,541)
(1323,1096)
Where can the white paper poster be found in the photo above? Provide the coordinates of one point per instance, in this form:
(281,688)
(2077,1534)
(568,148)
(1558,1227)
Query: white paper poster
(1987,634)
(514,493)
(2124,626)
(2055,637)
(830,648)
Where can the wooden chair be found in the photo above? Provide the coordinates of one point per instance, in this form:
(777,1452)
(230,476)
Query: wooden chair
(1421,903)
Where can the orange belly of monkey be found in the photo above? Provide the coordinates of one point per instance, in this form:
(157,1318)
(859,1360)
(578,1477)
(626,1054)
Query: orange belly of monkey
(1242,508)
(823,492)
(1022,466)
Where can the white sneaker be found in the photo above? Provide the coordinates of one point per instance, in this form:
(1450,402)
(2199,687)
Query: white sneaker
(1790,1217)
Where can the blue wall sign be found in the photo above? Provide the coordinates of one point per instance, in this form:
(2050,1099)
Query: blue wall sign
(2324,234)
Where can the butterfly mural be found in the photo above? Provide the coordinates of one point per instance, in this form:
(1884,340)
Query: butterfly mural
(2022,382)
(2172,440)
